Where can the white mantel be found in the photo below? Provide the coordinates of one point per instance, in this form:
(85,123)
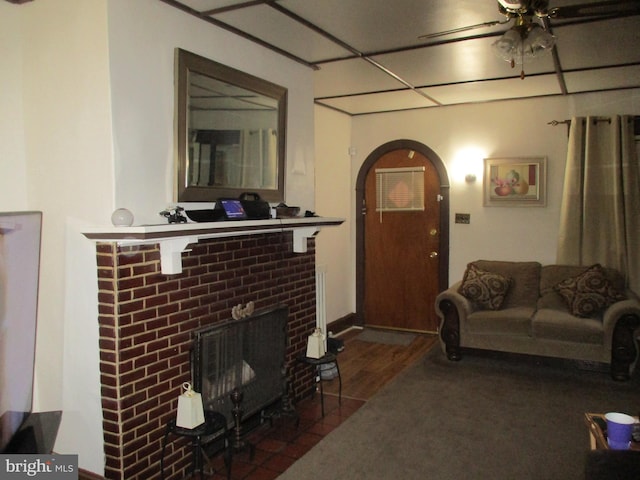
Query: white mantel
(174,237)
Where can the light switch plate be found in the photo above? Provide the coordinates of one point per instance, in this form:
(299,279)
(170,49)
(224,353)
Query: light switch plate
(463,218)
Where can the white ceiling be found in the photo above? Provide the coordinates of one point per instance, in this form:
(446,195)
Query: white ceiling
(368,58)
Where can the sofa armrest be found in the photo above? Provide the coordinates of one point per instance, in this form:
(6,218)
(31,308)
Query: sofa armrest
(452,308)
(451,294)
(621,323)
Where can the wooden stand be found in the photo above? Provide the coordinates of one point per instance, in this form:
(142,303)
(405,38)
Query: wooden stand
(597,432)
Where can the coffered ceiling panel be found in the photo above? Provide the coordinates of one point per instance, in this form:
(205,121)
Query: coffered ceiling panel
(368,55)
(283,32)
(456,62)
(606,79)
(348,77)
(487,91)
(378,102)
(380,25)
(205,5)
(613,42)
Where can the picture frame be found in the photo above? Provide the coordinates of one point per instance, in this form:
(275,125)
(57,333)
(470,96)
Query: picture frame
(515,182)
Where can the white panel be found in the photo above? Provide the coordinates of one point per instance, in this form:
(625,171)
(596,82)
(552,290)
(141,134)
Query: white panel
(379,102)
(613,42)
(282,31)
(352,76)
(457,62)
(496,89)
(372,26)
(622,77)
(321,301)
(205,5)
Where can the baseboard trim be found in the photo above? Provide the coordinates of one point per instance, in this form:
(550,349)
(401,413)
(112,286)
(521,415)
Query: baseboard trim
(342,324)
(87,475)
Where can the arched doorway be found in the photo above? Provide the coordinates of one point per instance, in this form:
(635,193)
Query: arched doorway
(402,257)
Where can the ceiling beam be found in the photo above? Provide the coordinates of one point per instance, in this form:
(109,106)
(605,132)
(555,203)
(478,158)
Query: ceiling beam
(556,60)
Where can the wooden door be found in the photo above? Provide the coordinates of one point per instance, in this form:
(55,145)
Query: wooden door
(401,251)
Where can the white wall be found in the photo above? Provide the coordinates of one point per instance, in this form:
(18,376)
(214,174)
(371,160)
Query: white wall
(462,136)
(62,141)
(13,186)
(142,74)
(333,199)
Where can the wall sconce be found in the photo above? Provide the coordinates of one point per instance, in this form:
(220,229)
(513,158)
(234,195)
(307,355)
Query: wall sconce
(466,165)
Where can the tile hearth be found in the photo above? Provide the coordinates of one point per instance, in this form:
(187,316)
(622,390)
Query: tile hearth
(280,446)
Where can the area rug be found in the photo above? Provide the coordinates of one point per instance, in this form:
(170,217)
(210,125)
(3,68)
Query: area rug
(478,418)
(386,337)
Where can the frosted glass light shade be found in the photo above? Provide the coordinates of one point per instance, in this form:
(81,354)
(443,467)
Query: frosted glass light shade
(122,218)
(523,43)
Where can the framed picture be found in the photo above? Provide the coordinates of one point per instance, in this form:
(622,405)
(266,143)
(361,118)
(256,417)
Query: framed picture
(515,182)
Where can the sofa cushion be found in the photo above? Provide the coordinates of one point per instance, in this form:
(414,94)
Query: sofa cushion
(511,321)
(588,293)
(525,276)
(558,325)
(551,275)
(487,290)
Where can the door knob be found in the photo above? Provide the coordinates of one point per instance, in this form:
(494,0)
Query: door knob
(433,254)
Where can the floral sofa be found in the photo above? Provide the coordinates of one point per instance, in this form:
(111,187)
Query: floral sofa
(570,312)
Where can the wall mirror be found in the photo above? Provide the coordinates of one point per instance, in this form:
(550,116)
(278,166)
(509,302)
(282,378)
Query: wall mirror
(230,132)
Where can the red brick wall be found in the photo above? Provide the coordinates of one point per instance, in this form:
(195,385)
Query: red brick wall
(146,319)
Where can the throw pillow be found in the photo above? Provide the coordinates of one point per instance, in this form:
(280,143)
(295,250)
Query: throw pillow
(589,293)
(487,290)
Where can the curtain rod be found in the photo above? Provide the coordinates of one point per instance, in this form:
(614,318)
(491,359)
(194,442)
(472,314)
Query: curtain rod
(568,122)
(595,119)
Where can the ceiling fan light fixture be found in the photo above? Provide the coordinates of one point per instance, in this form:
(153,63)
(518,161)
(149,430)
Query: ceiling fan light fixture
(513,8)
(540,41)
(523,43)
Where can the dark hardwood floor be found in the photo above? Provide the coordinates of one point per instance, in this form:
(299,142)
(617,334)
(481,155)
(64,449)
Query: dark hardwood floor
(366,367)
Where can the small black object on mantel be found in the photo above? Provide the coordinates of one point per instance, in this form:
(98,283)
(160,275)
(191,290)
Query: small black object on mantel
(285,211)
(254,206)
(174,215)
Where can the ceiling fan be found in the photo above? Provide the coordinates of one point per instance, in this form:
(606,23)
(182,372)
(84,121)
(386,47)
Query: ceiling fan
(530,37)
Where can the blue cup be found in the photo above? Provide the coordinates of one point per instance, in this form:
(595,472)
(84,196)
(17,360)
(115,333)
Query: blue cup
(619,428)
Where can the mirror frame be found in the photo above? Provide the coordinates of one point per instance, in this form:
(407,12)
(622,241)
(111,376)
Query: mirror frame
(187,62)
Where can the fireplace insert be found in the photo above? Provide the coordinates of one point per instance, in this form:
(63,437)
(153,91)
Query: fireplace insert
(248,355)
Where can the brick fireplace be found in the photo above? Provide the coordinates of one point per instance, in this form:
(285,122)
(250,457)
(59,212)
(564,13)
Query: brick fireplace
(146,319)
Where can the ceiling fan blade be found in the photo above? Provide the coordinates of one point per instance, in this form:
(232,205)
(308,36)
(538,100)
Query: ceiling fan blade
(464,29)
(616,8)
